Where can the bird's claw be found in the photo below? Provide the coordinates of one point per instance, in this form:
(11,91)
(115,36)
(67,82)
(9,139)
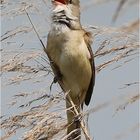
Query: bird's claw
(55,80)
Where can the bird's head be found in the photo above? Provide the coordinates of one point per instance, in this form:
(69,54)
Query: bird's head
(67,11)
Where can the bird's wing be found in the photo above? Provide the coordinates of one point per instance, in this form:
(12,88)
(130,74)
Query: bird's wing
(88,41)
(56,71)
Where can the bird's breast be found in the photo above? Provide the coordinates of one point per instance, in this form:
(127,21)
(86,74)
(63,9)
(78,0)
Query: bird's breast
(75,67)
(71,55)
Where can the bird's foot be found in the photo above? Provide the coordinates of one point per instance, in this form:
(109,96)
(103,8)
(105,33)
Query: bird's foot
(57,78)
(77,118)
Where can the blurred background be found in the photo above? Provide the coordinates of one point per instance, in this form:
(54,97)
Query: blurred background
(29,110)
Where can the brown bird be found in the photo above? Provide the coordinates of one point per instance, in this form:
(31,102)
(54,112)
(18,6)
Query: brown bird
(71,58)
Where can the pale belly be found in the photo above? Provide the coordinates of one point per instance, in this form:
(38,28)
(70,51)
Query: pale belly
(76,70)
(72,58)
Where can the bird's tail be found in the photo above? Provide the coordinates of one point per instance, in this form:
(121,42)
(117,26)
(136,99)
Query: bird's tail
(73,130)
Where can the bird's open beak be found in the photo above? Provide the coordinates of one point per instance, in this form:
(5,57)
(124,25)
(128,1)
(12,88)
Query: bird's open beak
(59,2)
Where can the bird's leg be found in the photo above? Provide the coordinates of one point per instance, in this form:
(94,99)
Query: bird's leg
(57,77)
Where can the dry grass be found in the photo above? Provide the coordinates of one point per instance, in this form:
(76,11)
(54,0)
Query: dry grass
(117,46)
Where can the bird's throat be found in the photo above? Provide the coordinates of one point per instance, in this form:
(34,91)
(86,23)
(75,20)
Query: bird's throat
(63,15)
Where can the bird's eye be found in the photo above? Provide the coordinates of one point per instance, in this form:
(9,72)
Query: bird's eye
(70,1)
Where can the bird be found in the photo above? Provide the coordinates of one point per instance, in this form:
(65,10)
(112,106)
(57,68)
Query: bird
(71,58)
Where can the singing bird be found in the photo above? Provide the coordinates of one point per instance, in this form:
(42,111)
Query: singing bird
(71,58)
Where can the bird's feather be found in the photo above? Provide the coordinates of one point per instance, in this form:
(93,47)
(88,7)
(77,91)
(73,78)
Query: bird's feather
(88,41)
